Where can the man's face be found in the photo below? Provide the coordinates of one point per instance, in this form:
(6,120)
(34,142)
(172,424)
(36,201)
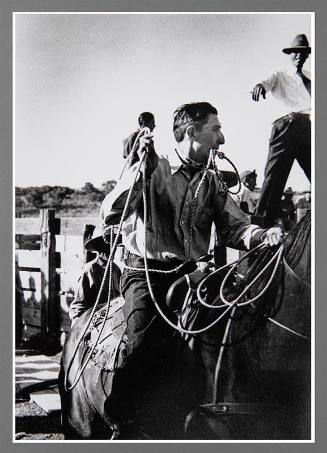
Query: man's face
(298,58)
(209,136)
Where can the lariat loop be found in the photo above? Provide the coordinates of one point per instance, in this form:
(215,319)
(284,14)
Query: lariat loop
(221,155)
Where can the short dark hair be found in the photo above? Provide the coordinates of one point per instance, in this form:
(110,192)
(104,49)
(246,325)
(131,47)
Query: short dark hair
(195,114)
(146,118)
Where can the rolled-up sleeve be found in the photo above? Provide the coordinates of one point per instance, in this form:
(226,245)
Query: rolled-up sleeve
(269,82)
(85,295)
(113,204)
(234,226)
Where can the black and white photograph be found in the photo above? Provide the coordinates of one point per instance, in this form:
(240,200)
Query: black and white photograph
(163,177)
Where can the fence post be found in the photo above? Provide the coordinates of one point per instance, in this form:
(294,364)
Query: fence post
(87,234)
(49,293)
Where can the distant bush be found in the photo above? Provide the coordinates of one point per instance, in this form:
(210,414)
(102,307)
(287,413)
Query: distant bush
(29,200)
(108,186)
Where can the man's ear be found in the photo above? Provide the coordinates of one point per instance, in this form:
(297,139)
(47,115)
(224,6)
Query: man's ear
(190,133)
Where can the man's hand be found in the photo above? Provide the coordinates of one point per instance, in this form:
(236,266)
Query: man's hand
(273,236)
(146,144)
(257,91)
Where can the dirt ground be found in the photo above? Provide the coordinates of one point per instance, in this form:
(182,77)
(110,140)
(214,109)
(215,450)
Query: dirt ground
(33,423)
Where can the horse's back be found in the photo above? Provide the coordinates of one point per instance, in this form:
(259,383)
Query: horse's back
(266,362)
(81,418)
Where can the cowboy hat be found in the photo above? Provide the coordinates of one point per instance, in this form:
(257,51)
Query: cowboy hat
(246,173)
(289,191)
(97,243)
(300,42)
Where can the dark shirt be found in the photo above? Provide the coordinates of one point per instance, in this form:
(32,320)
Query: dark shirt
(128,144)
(288,213)
(171,196)
(89,284)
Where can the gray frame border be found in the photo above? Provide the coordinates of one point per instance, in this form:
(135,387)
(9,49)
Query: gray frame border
(7,7)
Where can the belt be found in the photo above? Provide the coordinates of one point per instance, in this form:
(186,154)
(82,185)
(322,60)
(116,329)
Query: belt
(294,115)
(133,260)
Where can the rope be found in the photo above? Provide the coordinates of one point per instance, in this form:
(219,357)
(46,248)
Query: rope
(144,130)
(164,317)
(229,305)
(159,271)
(220,357)
(277,256)
(193,207)
(82,366)
(221,155)
(237,261)
(287,328)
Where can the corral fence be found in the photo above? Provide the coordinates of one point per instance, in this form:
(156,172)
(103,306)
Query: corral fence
(49,257)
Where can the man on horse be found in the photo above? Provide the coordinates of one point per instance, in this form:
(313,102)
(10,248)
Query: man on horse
(180,207)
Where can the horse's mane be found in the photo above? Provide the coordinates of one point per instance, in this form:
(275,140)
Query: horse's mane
(255,316)
(295,241)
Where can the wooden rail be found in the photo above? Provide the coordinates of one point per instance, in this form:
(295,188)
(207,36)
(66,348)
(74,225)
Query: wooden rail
(49,258)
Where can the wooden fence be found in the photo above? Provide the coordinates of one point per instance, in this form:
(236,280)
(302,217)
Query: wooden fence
(49,258)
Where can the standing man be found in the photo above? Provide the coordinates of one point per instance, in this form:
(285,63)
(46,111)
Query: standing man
(247,198)
(146,119)
(303,205)
(287,209)
(291,134)
(182,205)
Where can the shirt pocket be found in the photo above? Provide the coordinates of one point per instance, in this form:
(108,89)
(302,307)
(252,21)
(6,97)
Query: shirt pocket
(204,218)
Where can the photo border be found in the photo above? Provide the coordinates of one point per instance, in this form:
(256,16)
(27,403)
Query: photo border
(7,7)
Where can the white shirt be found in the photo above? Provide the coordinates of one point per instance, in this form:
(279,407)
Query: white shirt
(287,86)
(248,196)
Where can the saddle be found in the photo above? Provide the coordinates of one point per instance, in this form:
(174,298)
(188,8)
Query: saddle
(111,346)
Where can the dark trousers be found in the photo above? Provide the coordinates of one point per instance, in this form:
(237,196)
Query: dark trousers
(290,139)
(160,371)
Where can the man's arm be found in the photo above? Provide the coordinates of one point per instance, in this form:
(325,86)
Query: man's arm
(258,91)
(113,205)
(85,297)
(128,144)
(126,148)
(263,87)
(236,229)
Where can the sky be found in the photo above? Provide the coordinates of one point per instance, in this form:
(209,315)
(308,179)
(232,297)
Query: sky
(81,81)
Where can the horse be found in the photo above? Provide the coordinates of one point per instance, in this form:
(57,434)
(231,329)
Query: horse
(263,390)
(169,391)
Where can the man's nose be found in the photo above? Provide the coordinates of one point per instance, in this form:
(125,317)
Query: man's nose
(221,138)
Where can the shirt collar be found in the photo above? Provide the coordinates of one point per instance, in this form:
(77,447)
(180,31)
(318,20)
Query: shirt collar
(291,69)
(188,165)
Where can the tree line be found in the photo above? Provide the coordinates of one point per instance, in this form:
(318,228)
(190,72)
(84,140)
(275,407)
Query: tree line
(34,198)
